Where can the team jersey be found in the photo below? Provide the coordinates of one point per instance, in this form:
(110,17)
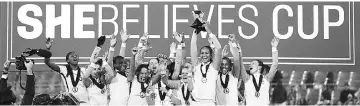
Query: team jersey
(231,98)
(158,102)
(80,92)
(119,90)
(204,92)
(97,96)
(250,90)
(134,98)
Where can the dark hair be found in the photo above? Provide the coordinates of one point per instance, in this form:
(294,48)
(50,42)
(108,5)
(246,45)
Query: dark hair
(262,66)
(68,54)
(42,99)
(228,60)
(210,50)
(118,58)
(138,69)
(157,59)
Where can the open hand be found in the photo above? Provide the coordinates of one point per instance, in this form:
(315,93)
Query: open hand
(48,43)
(124,35)
(179,37)
(113,41)
(101,41)
(225,50)
(6,66)
(275,41)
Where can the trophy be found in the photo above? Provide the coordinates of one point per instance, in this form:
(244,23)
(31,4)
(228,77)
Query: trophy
(198,23)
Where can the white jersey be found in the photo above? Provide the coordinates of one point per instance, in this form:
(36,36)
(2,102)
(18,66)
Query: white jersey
(119,90)
(230,98)
(134,98)
(250,90)
(97,96)
(81,92)
(158,102)
(178,93)
(204,93)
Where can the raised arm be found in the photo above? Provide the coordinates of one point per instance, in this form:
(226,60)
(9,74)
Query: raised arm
(172,51)
(131,75)
(142,48)
(235,53)
(47,54)
(179,55)
(275,61)
(109,74)
(217,48)
(124,38)
(225,51)
(193,49)
(30,85)
(113,43)
(243,72)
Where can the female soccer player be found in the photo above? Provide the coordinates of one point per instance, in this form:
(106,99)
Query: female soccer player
(205,74)
(181,95)
(227,80)
(139,94)
(100,74)
(72,74)
(257,85)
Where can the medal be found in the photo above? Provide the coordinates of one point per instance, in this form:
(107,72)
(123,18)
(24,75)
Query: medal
(257,86)
(187,103)
(142,94)
(225,85)
(143,90)
(162,102)
(102,91)
(204,80)
(226,90)
(257,94)
(75,89)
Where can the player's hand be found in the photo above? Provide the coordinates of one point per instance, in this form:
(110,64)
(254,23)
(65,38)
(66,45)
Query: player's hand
(6,66)
(124,35)
(113,41)
(101,41)
(48,43)
(275,41)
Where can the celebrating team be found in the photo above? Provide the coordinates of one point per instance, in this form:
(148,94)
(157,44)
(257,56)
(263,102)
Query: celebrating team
(209,79)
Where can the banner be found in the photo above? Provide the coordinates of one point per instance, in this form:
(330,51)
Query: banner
(312,33)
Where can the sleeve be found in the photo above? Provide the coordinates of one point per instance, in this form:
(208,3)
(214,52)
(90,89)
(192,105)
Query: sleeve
(4,76)
(3,81)
(29,91)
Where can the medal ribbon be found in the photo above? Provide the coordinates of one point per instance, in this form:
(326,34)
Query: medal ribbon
(257,86)
(143,88)
(186,98)
(224,85)
(207,68)
(99,85)
(162,95)
(70,72)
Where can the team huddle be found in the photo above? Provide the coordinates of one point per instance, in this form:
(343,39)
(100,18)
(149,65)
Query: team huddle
(210,78)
